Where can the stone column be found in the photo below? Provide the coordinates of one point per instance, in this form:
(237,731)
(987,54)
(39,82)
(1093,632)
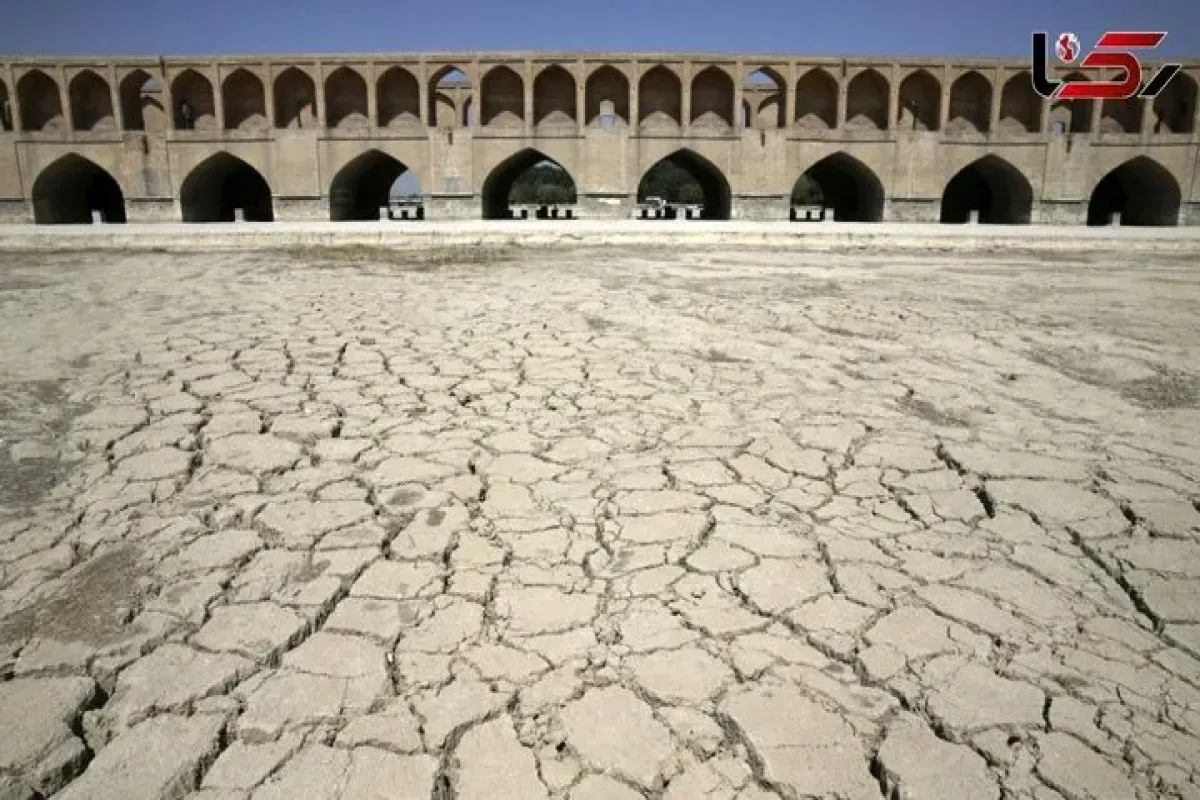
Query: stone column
(685,113)
(1147,121)
(634,112)
(114,97)
(1044,119)
(319,100)
(789,96)
(1097,113)
(739,96)
(944,105)
(527,99)
(423,91)
(476,79)
(269,94)
(893,109)
(997,94)
(840,117)
(372,97)
(64,98)
(218,97)
(14,106)
(580,96)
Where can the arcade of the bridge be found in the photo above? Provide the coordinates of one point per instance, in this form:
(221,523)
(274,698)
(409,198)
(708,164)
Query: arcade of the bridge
(548,98)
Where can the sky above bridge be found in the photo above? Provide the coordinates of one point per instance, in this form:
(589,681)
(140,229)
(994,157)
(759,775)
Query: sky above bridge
(810,27)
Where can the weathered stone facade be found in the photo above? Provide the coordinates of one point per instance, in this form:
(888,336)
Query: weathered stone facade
(310,137)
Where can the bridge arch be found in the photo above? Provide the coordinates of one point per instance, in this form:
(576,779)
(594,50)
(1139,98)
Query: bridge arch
(70,188)
(712,184)
(345,99)
(867,101)
(660,99)
(91,102)
(397,98)
(245,101)
(1141,190)
(1175,107)
(502,98)
(606,97)
(197,91)
(1071,116)
(39,101)
(712,99)
(498,187)
(219,185)
(845,184)
(554,98)
(970,104)
(364,185)
(6,120)
(992,186)
(141,108)
(1020,106)
(295,99)
(920,102)
(1121,116)
(817,100)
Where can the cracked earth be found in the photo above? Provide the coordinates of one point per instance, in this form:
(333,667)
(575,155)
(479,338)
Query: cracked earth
(599,524)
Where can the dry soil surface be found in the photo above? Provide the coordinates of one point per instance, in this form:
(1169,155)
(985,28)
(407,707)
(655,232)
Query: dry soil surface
(599,524)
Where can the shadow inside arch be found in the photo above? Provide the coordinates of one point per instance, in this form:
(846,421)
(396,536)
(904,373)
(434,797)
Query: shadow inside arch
(221,184)
(667,179)
(1141,190)
(71,188)
(994,188)
(842,182)
(506,184)
(364,185)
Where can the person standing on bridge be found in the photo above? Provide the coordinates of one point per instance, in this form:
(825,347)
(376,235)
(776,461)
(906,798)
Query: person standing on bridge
(186,116)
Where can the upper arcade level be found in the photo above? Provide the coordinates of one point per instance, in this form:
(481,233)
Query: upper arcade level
(563,94)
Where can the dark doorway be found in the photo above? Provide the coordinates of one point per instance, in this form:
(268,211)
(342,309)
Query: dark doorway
(992,187)
(686,177)
(843,183)
(70,189)
(1140,190)
(368,183)
(527,178)
(220,185)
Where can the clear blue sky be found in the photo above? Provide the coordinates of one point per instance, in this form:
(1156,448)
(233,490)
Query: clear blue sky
(816,27)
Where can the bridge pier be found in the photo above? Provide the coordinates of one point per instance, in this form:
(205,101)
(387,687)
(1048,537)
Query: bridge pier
(761,207)
(300,209)
(909,209)
(459,205)
(605,205)
(15,211)
(1060,212)
(151,209)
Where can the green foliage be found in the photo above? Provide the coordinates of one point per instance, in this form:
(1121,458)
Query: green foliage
(672,183)
(543,184)
(806,192)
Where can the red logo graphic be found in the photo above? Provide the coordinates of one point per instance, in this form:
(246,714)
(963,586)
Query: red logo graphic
(1112,52)
(1067,47)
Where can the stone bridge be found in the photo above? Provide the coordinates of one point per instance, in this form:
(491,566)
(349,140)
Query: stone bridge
(320,137)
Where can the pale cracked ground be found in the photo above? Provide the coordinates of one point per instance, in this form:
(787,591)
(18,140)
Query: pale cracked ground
(599,525)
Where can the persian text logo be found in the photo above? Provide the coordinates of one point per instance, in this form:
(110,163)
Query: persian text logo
(1112,52)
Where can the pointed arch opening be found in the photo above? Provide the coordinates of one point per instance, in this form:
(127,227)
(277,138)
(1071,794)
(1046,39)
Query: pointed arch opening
(686,177)
(844,184)
(606,98)
(991,187)
(449,91)
(1020,105)
(39,101)
(295,99)
(970,104)
(369,182)
(529,177)
(141,102)
(398,99)
(1121,116)
(220,185)
(764,92)
(1175,107)
(245,101)
(817,100)
(345,99)
(1141,191)
(502,94)
(867,101)
(920,100)
(554,98)
(1072,116)
(192,101)
(91,102)
(712,100)
(660,99)
(71,188)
